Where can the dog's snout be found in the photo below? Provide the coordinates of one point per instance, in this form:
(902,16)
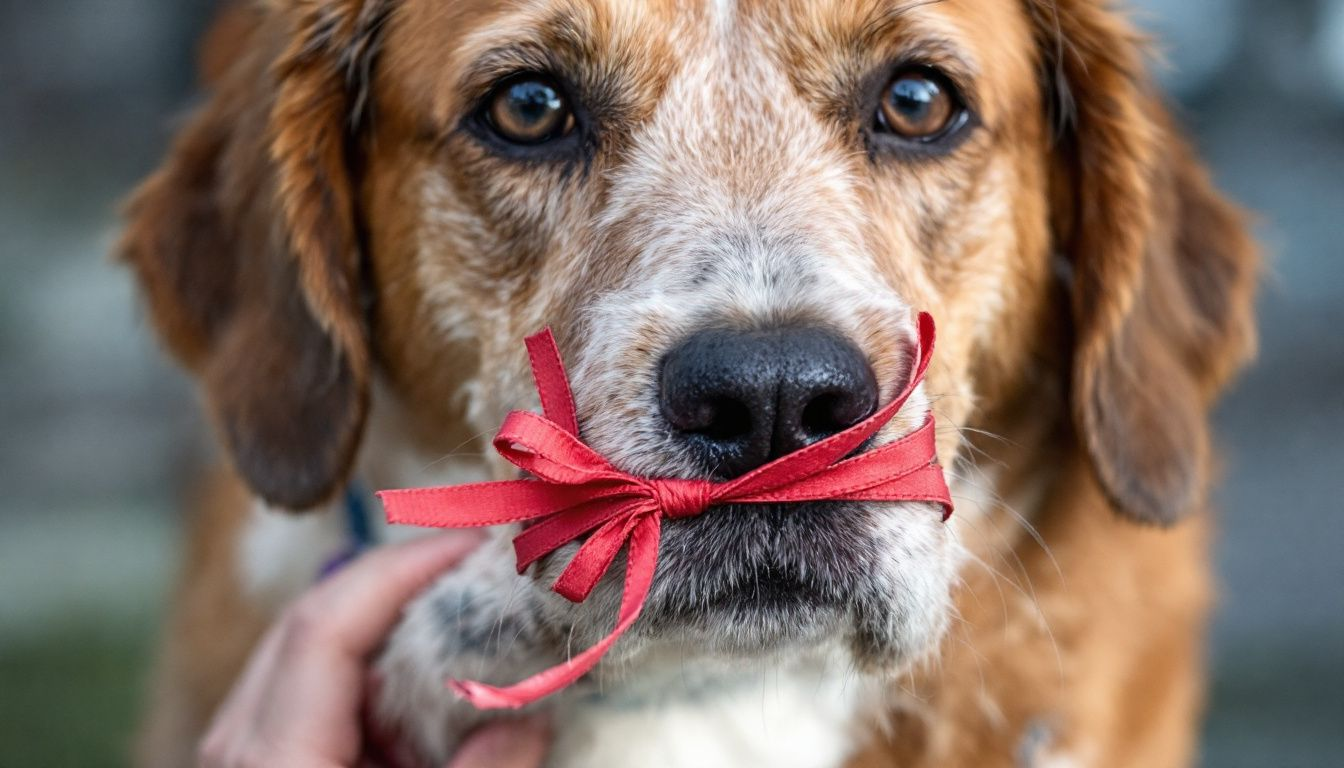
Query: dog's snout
(742,398)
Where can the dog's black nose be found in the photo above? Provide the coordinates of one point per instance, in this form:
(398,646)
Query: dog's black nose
(742,398)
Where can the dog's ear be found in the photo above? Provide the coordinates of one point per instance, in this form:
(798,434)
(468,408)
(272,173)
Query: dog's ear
(1163,268)
(246,246)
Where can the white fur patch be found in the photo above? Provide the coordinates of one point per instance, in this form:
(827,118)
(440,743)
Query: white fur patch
(803,717)
(280,553)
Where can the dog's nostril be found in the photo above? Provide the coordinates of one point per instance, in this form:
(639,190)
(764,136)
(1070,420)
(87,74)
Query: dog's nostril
(716,418)
(831,412)
(730,420)
(742,398)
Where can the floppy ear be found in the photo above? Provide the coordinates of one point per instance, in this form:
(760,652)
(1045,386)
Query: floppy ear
(246,247)
(1163,268)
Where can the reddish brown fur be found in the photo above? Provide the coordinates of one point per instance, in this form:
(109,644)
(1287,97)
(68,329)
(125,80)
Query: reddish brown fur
(286,373)
(248,244)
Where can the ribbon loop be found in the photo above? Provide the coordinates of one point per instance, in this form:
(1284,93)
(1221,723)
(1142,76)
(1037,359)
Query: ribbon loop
(540,447)
(577,492)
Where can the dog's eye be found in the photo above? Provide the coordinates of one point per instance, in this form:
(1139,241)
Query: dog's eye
(530,109)
(919,105)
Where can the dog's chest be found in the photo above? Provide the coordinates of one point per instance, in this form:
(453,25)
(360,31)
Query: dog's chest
(785,718)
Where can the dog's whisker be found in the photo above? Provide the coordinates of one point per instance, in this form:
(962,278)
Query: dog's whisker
(457,453)
(1006,548)
(1000,503)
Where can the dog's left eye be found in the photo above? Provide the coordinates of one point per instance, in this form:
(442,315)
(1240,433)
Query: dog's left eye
(920,105)
(529,109)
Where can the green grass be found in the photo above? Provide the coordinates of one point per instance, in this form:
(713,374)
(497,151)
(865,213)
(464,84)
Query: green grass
(70,697)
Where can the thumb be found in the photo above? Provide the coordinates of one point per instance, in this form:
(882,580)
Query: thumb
(511,743)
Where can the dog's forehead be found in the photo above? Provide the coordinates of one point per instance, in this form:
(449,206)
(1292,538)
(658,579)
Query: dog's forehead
(443,52)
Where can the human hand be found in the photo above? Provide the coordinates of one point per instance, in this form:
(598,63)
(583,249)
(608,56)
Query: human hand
(299,701)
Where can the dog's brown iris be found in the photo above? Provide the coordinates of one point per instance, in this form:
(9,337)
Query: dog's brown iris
(917,105)
(530,110)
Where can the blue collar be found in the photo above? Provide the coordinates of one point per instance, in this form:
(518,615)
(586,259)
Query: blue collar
(358,525)
(359,534)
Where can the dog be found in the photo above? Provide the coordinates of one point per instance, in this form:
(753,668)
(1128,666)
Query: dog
(728,211)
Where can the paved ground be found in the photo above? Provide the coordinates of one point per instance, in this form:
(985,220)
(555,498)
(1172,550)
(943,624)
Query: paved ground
(98,430)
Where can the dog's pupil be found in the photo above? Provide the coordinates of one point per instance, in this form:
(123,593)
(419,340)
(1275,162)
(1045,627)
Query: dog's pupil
(531,109)
(913,99)
(535,101)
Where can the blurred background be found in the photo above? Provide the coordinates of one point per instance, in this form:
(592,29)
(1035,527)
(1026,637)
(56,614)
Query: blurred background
(98,431)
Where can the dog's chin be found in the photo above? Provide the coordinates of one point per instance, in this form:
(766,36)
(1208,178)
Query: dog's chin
(877,635)
(769,580)
(774,611)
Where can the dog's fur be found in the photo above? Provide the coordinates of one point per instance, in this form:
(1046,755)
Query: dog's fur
(349,272)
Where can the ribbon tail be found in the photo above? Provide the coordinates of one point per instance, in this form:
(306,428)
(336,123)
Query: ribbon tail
(593,559)
(924,484)
(479,504)
(643,559)
(550,534)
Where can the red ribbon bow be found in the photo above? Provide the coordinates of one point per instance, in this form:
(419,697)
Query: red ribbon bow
(575,491)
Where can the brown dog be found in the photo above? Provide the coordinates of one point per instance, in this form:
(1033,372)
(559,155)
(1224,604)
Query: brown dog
(382,197)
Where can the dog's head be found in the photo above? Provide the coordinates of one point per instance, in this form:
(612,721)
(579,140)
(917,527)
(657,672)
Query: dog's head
(727,211)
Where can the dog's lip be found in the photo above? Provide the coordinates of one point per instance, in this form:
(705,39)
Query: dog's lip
(768,589)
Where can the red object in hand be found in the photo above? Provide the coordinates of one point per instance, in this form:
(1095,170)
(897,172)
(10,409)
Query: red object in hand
(576,492)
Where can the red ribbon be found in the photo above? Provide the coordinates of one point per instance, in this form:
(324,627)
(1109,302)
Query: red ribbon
(575,491)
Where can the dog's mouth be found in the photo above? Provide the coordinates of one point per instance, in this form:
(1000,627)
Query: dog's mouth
(771,588)
(778,571)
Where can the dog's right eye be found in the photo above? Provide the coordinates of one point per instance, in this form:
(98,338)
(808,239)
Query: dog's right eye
(529,109)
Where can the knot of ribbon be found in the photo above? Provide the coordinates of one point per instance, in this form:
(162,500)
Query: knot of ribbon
(680,498)
(574,492)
